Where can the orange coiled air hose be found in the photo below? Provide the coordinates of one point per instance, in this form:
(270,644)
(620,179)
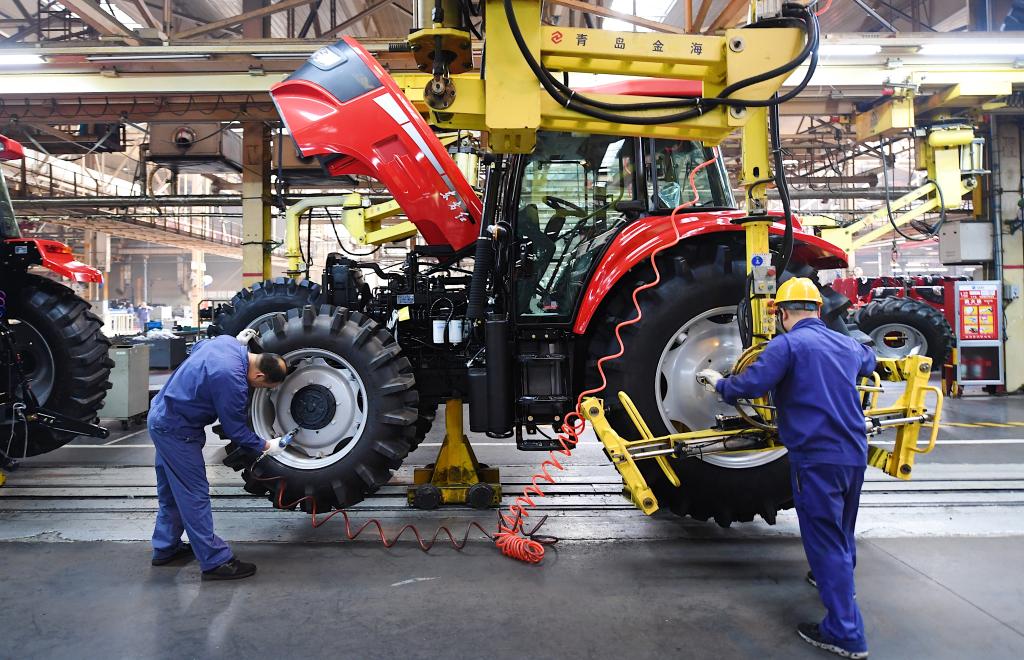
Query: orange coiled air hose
(510,538)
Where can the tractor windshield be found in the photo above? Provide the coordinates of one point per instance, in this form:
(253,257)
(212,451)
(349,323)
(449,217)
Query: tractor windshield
(566,211)
(8,223)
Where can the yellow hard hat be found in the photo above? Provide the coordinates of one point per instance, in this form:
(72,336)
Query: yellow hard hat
(796,290)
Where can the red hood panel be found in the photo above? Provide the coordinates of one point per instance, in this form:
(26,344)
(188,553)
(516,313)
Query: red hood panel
(344,107)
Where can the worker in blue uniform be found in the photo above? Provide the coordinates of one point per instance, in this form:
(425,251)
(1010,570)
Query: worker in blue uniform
(813,373)
(213,383)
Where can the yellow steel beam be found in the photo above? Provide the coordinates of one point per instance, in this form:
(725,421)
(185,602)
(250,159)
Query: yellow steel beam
(892,116)
(971,93)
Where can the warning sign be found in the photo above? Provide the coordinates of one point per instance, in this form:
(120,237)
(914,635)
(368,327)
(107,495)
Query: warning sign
(979,312)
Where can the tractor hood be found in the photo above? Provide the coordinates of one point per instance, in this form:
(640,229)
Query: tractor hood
(344,108)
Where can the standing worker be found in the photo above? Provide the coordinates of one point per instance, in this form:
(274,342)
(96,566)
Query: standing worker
(213,383)
(813,373)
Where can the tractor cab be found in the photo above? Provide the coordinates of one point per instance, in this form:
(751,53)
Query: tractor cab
(577,192)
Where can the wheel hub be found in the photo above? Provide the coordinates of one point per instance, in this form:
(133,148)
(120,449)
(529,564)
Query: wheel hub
(897,340)
(313,407)
(324,397)
(708,341)
(37,360)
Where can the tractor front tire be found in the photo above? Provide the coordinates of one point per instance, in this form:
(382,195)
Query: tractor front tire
(387,399)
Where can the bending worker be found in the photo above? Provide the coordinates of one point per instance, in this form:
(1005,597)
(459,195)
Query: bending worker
(213,383)
(813,373)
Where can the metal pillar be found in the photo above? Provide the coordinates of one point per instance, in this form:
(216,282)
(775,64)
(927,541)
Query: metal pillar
(256,227)
(1007,177)
(195,291)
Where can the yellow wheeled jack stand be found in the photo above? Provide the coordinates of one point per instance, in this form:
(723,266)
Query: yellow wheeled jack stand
(456,477)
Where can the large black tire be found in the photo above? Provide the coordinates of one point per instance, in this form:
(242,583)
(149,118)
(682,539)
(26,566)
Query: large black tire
(885,318)
(694,281)
(253,304)
(391,401)
(75,350)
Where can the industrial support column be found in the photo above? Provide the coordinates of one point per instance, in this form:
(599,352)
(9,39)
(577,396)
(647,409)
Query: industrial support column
(1009,181)
(256,227)
(196,285)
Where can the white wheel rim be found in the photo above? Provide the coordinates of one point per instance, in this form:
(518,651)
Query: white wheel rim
(708,341)
(901,342)
(273,411)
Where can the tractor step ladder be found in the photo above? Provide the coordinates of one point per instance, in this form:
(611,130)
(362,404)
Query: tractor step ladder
(456,477)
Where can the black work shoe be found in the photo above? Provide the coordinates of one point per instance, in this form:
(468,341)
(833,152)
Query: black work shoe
(810,579)
(184,552)
(232,569)
(811,634)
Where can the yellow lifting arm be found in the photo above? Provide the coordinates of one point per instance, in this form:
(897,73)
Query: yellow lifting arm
(511,105)
(908,415)
(952,157)
(364,224)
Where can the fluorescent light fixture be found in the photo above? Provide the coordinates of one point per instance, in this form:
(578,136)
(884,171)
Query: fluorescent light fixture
(849,50)
(282,56)
(14,59)
(969,47)
(141,58)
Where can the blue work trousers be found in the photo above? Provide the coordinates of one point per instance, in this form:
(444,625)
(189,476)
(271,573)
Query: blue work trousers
(826,498)
(184,495)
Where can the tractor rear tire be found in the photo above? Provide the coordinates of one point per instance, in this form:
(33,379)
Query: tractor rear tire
(65,353)
(906,322)
(388,393)
(693,285)
(251,306)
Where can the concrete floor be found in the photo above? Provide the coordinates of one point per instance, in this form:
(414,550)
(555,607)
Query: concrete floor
(921,598)
(939,574)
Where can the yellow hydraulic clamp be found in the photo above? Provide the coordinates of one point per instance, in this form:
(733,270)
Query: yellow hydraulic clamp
(745,433)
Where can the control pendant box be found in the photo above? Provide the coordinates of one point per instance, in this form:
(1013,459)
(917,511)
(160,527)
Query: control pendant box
(965,243)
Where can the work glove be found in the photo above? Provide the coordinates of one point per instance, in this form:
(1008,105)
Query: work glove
(275,447)
(708,378)
(250,339)
(246,336)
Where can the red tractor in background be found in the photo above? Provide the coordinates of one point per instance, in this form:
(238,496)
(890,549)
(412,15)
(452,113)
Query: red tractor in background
(903,315)
(54,364)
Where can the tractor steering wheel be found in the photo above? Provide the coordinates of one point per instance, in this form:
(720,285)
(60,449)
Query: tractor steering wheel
(564,206)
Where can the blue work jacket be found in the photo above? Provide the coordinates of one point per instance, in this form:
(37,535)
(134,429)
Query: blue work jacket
(211,384)
(813,373)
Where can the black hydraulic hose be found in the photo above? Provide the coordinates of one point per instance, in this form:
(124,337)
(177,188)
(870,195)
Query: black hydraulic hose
(775,132)
(483,259)
(593,108)
(929,235)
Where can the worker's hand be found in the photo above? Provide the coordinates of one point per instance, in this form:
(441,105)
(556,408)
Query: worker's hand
(246,336)
(273,447)
(708,378)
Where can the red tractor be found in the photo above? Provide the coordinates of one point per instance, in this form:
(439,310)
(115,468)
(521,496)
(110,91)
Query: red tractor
(509,303)
(53,377)
(903,315)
